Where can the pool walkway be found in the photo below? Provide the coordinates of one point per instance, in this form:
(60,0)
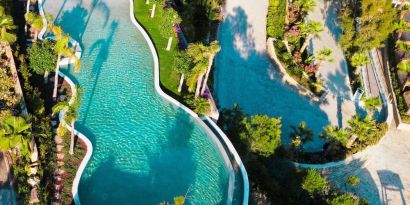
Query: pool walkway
(383,171)
(334,73)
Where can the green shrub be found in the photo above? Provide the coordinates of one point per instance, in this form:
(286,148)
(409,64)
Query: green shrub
(314,183)
(276,18)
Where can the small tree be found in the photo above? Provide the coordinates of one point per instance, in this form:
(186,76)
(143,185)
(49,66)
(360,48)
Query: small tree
(344,199)
(336,134)
(42,58)
(359,59)
(182,64)
(309,29)
(36,22)
(169,19)
(314,183)
(305,6)
(363,129)
(404,65)
(371,104)
(262,134)
(353,180)
(201,106)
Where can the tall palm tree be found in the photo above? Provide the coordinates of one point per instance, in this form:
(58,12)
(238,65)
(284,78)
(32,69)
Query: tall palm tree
(71,113)
(14,132)
(62,49)
(182,64)
(309,29)
(197,52)
(6,24)
(404,65)
(211,52)
(359,59)
(36,22)
(324,54)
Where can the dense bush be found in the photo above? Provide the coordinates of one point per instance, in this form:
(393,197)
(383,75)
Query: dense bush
(276,18)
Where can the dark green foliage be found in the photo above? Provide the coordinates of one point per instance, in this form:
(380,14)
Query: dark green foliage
(344,199)
(182,62)
(353,180)
(314,183)
(276,18)
(42,57)
(262,133)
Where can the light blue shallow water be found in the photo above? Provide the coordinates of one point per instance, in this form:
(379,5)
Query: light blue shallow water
(145,150)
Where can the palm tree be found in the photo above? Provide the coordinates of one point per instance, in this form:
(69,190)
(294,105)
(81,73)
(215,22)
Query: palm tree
(14,132)
(404,65)
(371,104)
(325,54)
(62,49)
(309,29)
(305,6)
(6,24)
(301,132)
(36,22)
(359,59)
(403,46)
(336,134)
(212,50)
(182,64)
(401,26)
(169,19)
(198,53)
(361,129)
(71,113)
(201,106)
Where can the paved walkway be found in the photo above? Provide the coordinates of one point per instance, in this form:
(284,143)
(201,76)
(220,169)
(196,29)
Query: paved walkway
(384,171)
(334,73)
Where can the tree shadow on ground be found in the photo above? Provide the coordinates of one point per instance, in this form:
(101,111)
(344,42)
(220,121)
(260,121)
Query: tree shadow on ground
(246,76)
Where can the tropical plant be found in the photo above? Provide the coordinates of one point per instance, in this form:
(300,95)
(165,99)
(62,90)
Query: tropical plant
(309,30)
(372,103)
(362,129)
(6,24)
(201,106)
(262,134)
(71,113)
(213,48)
(42,58)
(344,199)
(169,19)
(14,133)
(325,54)
(353,180)
(404,65)
(202,57)
(400,27)
(314,183)
(336,134)
(62,48)
(305,6)
(36,22)
(182,64)
(359,59)
(7,93)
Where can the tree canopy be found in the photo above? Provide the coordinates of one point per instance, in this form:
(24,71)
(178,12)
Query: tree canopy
(42,57)
(314,183)
(262,134)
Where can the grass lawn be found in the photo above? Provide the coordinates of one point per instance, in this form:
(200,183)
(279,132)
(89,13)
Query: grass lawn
(168,76)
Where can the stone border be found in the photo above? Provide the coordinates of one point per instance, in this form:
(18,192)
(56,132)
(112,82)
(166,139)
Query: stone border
(195,116)
(285,76)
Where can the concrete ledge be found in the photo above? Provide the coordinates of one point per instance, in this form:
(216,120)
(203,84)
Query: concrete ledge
(285,76)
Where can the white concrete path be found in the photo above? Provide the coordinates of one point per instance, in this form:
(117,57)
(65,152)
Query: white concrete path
(384,171)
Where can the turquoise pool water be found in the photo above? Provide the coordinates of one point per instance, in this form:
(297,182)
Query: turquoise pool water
(145,150)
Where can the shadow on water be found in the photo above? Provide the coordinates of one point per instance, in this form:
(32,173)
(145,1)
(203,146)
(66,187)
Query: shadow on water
(171,171)
(246,76)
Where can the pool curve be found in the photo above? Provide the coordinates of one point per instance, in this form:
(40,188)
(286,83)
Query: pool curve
(210,134)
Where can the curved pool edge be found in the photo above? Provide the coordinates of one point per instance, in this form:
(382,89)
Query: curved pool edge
(87,157)
(189,111)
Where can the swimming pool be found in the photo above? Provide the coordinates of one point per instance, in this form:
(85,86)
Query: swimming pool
(145,150)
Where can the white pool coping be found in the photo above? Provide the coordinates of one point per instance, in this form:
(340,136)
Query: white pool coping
(171,100)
